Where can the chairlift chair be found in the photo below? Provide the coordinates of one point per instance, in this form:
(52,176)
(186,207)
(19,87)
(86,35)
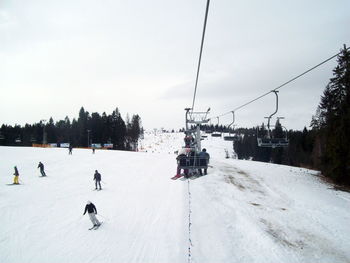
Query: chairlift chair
(216,133)
(189,159)
(273,142)
(231,137)
(192,162)
(269,140)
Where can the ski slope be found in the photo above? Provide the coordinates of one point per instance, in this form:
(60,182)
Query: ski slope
(242,211)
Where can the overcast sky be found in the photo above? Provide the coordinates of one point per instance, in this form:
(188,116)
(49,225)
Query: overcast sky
(141,56)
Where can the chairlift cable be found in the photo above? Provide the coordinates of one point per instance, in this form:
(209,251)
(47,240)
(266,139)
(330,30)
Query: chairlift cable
(200,54)
(282,85)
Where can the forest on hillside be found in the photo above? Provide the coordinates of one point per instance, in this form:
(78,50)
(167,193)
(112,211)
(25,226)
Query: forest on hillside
(88,129)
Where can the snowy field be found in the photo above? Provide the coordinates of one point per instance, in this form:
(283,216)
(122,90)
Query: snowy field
(242,211)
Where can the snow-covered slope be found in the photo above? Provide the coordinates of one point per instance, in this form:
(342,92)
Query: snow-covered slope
(242,211)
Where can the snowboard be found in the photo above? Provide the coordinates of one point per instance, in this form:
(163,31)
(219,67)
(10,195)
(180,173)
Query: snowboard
(13,184)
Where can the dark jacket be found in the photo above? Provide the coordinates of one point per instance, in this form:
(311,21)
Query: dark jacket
(181,159)
(90,208)
(204,155)
(16,172)
(97,176)
(204,158)
(41,166)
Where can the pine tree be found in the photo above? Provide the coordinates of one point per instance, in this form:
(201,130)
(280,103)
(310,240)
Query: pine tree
(332,120)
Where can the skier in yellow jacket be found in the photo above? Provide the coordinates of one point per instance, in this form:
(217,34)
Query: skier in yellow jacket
(16,174)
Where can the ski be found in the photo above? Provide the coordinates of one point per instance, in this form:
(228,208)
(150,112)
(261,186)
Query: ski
(95,227)
(176,176)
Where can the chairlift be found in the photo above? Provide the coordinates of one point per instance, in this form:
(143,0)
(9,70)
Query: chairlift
(190,160)
(193,134)
(208,129)
(231,137)
(270,139)
(216,133)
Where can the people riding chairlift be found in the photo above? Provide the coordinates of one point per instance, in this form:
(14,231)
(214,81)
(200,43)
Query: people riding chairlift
(203,161)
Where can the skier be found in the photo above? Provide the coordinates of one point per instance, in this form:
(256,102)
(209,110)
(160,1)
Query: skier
(203,160)
(70,149)
(97,178)
(41,166)
(16,174)
(91,209)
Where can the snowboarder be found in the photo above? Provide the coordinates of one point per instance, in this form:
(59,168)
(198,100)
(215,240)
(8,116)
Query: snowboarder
(16,174)
(203,160)
(41,166)
(97,178)
(91,209)
(70,149)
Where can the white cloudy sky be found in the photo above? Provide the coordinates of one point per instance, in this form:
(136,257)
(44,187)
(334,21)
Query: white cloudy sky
(141,56)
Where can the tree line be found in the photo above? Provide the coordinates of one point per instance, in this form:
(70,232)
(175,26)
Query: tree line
(81,132)
(325,146)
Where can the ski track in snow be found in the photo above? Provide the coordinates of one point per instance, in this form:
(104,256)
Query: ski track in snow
(242,211)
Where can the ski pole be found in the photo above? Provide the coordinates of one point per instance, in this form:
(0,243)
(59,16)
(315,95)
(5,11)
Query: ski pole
(101,216)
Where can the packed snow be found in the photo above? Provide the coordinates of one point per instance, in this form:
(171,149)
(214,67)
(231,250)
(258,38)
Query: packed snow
(242,211)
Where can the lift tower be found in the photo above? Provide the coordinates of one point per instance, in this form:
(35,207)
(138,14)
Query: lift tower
(196,118)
